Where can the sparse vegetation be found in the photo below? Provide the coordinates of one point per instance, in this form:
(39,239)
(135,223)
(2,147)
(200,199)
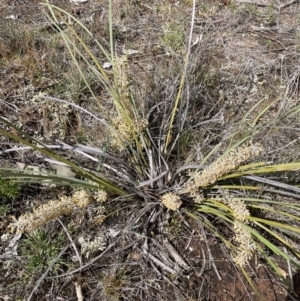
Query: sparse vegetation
(186,142)
(8,188)
(174,37)
(4,209)
(38,250)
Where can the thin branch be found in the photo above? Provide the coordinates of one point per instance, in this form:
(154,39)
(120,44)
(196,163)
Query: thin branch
(263,3)
(72,242)
(175,254)
(287,4)
(211,259)
(155,260)
(78,290)
(182,81)
(255,2)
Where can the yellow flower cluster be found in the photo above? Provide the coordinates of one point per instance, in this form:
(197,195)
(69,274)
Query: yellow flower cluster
(222,166)
(171,201)
(43,214)
(100,214)
(100,196)
(122,83)
(81,198)
(121,74)
(245,243)
(198,198)
(125,133)
(127,124)
(240,211)
(54,209)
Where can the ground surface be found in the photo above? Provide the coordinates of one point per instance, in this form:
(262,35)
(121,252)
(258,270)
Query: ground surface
(250,53)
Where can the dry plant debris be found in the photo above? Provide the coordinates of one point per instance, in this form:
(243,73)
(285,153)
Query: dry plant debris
(249,54)
(90,245)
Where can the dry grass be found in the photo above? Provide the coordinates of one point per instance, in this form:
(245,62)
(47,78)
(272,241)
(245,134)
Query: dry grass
(244,59)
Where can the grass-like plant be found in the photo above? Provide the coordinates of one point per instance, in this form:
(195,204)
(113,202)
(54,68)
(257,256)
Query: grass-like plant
(39,249)
(8,189)
(230,182)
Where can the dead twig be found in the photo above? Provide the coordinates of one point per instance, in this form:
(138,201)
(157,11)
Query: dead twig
(255,2)
(211,259)
(72,242)
(263,3)
(287,4)
(78,290)
(289,270)
(264,29)
(155,260)
(271,39)
(175,254)
(103,254)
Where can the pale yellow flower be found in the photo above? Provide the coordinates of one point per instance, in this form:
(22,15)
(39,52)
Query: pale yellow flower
(222,166)
(171,201)
(56,208)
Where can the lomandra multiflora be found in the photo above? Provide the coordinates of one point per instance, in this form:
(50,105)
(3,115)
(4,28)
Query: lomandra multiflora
(56,208)
(244,244)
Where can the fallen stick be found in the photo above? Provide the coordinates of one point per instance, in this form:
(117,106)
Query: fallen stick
(78,291)
(284,5)
(155,260)
(263,3)
(255,2)
(175,254)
